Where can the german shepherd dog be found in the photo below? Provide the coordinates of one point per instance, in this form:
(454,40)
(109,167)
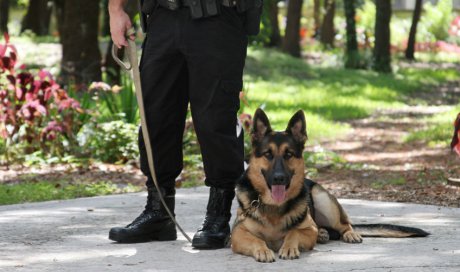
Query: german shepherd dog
(280,210)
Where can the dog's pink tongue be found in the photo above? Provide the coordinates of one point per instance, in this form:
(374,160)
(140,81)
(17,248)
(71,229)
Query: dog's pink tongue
(278,193)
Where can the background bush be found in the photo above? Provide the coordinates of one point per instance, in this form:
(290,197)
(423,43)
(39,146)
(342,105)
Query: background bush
(114,141)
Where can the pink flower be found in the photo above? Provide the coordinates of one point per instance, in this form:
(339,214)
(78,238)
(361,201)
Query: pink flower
(102,86)
(45,75)
(32,109)
(68,103)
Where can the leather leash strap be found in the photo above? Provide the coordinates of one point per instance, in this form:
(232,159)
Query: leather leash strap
(133,65)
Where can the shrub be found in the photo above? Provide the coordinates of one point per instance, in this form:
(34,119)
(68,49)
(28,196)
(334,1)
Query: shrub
(437,18)
(454,31)
(35,113)
(118,102)
(114,141)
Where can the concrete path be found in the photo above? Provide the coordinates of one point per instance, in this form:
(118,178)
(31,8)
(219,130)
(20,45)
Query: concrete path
(72,236)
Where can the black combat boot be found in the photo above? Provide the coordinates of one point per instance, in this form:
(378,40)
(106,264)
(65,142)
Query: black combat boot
(152,224)
(215,231)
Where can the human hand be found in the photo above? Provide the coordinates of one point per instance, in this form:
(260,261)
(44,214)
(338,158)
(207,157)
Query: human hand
(119,24)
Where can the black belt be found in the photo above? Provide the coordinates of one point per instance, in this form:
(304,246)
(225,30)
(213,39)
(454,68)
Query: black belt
(229,3)
(198,8)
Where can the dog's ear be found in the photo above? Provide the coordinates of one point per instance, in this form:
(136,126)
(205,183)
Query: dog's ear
(260,126)
(297,127)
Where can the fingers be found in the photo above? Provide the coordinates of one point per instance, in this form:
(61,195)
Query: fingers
(119,24)
(119,40)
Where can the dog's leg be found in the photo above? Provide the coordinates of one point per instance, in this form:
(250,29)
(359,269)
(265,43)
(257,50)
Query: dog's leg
(297,240)
(303,237)
(244,242)
(330,214)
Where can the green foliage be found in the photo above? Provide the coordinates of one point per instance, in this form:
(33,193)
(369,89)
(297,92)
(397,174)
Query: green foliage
(263,38)
(114,141)
(322,158)
(117,102)
(438,57)
(366,18)
(357,60)
(437,18)
(41,158)
(3,158)
(396,181)
(35,112)
(438,134)
(439,130)
(44,191)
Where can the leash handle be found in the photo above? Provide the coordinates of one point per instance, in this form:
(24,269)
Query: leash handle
(125,65)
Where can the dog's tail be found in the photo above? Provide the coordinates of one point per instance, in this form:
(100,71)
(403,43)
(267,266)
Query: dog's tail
(388,231)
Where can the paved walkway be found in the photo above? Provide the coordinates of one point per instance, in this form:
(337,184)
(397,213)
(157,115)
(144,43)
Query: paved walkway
(72,236)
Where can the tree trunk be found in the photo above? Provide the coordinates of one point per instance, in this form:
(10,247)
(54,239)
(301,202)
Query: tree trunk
(382,53)
(37,18)
(327,28)
(275,36)
(291,43)
(410,50)
(59,13)
(352,59)
(81,58)
(317,16)
(4,15)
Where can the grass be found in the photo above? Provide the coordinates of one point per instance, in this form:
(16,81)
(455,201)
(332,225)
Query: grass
(44,191)
(438,57)
(281,84)
(396,181)
(439,130)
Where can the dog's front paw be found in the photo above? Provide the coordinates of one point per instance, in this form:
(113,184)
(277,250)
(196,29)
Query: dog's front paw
(264,255)
(289,253)
(352,237)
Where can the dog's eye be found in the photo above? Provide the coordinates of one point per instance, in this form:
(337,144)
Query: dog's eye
(288,155)
(268,154)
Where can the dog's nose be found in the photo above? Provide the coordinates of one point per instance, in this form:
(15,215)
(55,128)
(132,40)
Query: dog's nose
(279,178)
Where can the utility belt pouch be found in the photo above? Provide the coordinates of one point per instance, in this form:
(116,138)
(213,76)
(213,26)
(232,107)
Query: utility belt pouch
(202,8)
(210,7)
(195,8)
(170,4)
(146,8)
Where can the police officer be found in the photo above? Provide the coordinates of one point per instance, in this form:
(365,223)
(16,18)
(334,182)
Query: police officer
(194,52)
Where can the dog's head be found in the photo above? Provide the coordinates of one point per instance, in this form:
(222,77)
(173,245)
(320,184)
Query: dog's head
(276,167)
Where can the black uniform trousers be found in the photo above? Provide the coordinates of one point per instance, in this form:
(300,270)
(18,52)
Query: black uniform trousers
(198,62)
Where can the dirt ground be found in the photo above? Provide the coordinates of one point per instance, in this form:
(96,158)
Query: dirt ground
(382,166)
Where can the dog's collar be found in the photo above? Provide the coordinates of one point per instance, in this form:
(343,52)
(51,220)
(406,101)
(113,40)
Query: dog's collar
(255,204)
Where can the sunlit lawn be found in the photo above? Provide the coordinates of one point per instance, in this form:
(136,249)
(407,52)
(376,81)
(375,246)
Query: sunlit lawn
(439,129)
(281,85)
